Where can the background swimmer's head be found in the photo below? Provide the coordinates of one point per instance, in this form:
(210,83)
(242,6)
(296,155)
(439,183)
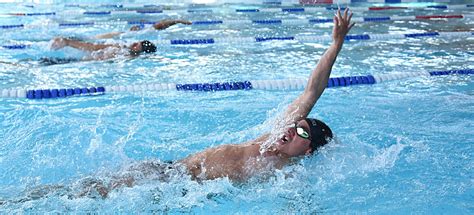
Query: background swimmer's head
(137,27)
(143,46)
(321,134)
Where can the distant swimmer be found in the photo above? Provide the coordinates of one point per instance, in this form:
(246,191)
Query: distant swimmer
(97,51)
(161,25)
(102,51)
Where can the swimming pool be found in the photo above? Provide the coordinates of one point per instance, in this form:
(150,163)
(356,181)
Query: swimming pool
(402,146)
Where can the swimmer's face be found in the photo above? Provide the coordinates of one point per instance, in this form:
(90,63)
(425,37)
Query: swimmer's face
(136,48)
(293,144)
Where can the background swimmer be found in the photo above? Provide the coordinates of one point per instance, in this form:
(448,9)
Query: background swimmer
(161,25)
(104,51)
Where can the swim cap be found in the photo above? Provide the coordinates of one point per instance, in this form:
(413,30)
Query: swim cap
(320,133)
(137,27)
(148,47)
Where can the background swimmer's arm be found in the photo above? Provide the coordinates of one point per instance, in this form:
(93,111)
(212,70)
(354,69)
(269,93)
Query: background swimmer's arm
(167,23)
(62,42)
(108,35)
(318,79)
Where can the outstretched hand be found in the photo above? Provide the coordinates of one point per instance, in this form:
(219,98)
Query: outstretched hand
(342,25)
(58,43)
(185,22)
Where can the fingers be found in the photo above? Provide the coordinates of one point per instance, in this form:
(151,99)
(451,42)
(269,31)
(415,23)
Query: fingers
(347,14)
(345,19)
(339,14)
(352,25)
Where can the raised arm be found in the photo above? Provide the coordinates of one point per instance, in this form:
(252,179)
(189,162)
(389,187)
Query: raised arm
(318,80)
(60,42)
(167,23)
(108,35)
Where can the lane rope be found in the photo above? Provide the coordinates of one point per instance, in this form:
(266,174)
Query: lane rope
(288,84)
(305,38)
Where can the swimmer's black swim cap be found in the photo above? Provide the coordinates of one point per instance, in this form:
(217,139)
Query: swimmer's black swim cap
(320,133)
(148,47)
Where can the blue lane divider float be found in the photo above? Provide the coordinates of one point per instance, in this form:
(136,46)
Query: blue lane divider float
(210,22)
(20,46)
(429,34)
(11,26)
(245,85)
(292,84)
(149,11)
(320,20)
(293,10)
(97,13)
(140,23)
(351,80)
(61,93)
(376,19)
(76,24)
(192,41)
(440,6)
(263,39)
(357,37)
(451,72)
(274,21)
(41,14)
(247,10)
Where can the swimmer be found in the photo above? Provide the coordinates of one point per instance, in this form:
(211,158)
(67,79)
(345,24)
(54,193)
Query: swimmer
(104,51)
(164,24)
(302,137)
(238,162)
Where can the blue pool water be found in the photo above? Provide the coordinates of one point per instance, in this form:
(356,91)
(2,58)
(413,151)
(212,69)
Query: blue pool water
(402,146)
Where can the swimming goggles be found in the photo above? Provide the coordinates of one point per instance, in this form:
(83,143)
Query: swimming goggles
(300,131)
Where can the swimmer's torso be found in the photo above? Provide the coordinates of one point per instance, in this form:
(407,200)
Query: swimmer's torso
(236,161)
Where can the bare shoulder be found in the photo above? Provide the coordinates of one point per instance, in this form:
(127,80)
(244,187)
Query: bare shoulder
(226,151)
